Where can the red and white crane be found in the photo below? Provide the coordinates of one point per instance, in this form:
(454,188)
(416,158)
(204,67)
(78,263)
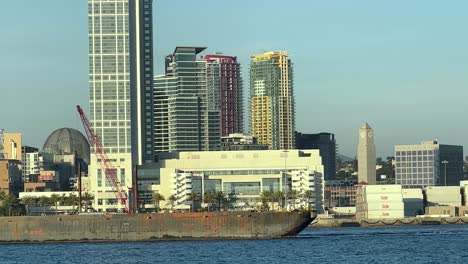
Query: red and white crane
(106,164)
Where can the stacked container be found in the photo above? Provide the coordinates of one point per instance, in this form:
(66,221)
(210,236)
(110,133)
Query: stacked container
(413,201)
(443,196)
(379,202)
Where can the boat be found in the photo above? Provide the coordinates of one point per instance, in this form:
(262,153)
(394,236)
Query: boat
(157,226)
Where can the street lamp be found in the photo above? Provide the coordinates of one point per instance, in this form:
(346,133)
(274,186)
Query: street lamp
(445,171)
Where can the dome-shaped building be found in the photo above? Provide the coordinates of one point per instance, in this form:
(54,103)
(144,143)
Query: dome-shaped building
(65,141)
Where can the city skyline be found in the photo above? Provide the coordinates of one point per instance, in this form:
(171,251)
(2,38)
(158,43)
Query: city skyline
(362,62)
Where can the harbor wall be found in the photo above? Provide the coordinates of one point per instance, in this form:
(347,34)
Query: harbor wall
(330,222)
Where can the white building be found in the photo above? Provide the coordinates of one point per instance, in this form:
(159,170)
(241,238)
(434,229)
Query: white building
(31,163)
(243,175)
(121,90)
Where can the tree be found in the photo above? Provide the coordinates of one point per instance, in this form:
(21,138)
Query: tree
(209,198)
(293,195)
(87,197)
(172,200)
(43,201)
(307,195)
(55,199)
(10,202)
(72,200)
(230,200)
(266,197)
(28,201)
(219,197)
(157,198)
(278,197)
(193,197)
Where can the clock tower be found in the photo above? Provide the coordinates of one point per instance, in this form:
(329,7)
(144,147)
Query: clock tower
(366,155)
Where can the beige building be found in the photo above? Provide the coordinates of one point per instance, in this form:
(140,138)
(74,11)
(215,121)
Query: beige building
(12,146)
(366,155)
(243,174)
(11,180)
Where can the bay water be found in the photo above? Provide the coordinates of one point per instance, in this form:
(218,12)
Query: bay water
(405,244)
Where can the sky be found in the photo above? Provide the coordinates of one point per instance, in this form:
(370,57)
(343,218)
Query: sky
(399,65)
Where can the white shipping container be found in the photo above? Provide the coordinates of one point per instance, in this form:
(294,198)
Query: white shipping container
(384,206)
(385,214)
(463,183)
(377,189)
(444,203)
(442,190)
(384,197)
(412,193)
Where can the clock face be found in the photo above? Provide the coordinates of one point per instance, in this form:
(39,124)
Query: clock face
(363,134)
(369,134)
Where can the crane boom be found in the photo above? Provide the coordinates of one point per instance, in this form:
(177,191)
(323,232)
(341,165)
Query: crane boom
(104,161)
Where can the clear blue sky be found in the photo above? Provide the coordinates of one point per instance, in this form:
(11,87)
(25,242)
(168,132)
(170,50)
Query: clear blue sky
(399,65)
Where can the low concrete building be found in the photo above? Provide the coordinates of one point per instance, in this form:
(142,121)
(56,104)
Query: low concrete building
(244,175)
(442,211)
(338,196)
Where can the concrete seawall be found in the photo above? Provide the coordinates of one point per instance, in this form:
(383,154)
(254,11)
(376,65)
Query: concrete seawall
(119,227)
(327,222)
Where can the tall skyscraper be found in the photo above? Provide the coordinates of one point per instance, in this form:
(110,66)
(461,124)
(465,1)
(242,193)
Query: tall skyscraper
(184,121)
(225,92)
(325,142)
(366,155)
(272,100)
(120,89)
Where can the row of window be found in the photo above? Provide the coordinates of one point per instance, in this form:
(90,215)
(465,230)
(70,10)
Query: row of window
(416,152)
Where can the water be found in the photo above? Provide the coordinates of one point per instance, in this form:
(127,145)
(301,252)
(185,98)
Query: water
(408,244)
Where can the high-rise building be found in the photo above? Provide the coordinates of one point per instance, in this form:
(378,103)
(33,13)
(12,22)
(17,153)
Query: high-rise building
(428,164)
(366,155)
(184,121)
(272,100)
(325,142)
(225,92)
(121,89)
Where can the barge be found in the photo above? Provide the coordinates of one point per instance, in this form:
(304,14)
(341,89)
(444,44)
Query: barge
(147,227)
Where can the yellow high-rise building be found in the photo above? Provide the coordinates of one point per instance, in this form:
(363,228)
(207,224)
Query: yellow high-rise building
(272,100)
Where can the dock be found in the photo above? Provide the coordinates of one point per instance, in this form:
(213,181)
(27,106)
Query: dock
(346,222)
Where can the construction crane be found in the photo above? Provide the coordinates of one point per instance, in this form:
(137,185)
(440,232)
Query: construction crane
(104,161)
